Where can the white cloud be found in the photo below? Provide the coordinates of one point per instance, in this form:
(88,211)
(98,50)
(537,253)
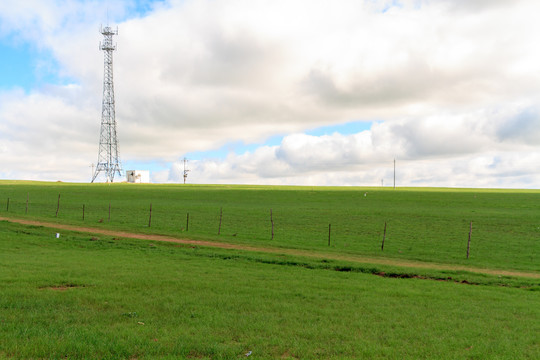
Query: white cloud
(446,83)
(429,152)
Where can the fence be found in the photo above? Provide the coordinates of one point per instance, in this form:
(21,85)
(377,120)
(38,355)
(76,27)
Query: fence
(354,232)
(423,225)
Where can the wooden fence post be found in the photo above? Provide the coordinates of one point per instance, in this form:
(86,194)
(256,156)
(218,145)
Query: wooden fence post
(83,212)
(150,216)
(220,217)
(329,231)
(7,208)
(187,222)
(272,222)
(469,242)
(58,206)
(27,198)
(384,237)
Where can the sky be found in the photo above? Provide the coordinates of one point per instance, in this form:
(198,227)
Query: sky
(281,92)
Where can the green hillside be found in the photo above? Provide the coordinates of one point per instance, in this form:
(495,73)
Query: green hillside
(429,225)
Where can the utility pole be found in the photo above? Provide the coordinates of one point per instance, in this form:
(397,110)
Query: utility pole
(108,157)
(394,174)
(185,170)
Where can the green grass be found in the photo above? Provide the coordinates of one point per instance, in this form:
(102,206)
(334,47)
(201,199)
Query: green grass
(82,296)
(430,225)
(94,296)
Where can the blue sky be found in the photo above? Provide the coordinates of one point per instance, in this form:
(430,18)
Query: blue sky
(270,93)
(18,65)
(143,7)
(345,129)
(25,65)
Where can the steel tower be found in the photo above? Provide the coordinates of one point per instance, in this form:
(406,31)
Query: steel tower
(108,158)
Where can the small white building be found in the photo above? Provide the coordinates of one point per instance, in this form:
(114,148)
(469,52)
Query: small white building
(138,176)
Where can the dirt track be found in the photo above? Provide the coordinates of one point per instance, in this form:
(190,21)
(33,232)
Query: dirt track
(294,252)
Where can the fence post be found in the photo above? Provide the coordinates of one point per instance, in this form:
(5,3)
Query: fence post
(220,217)
(150,216)
(7,208)
(109,211)
(58,206)
(329,231)
(469,242)
(272,222)
(83,212)
(384,237)
(27,198)
(187,222)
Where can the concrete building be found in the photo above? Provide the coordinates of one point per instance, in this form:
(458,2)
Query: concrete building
(138,176)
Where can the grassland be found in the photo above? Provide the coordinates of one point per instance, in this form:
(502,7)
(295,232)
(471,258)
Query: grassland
(80,296)
(85,295)
(430,225)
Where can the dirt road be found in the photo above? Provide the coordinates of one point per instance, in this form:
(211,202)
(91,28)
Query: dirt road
(294,252)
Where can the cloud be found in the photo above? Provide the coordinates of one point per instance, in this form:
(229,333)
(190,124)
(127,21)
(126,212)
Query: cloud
(491,170)
(43,137)
(467,158)
(441,80)
(521,128)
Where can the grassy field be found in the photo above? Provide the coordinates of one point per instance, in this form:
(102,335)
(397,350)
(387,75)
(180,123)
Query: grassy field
(430,225)
(80,296)
(94,296)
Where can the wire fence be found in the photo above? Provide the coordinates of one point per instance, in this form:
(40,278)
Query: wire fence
(170,219)
(408,235)
(260,223)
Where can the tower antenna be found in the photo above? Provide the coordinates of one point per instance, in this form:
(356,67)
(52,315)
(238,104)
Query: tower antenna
(108,157)
(185,170)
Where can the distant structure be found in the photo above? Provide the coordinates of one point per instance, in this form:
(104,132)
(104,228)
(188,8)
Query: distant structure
(108,157)
(185,170)
(138,176)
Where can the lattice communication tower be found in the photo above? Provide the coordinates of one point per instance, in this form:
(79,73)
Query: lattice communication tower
(185,170)
(108,158)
